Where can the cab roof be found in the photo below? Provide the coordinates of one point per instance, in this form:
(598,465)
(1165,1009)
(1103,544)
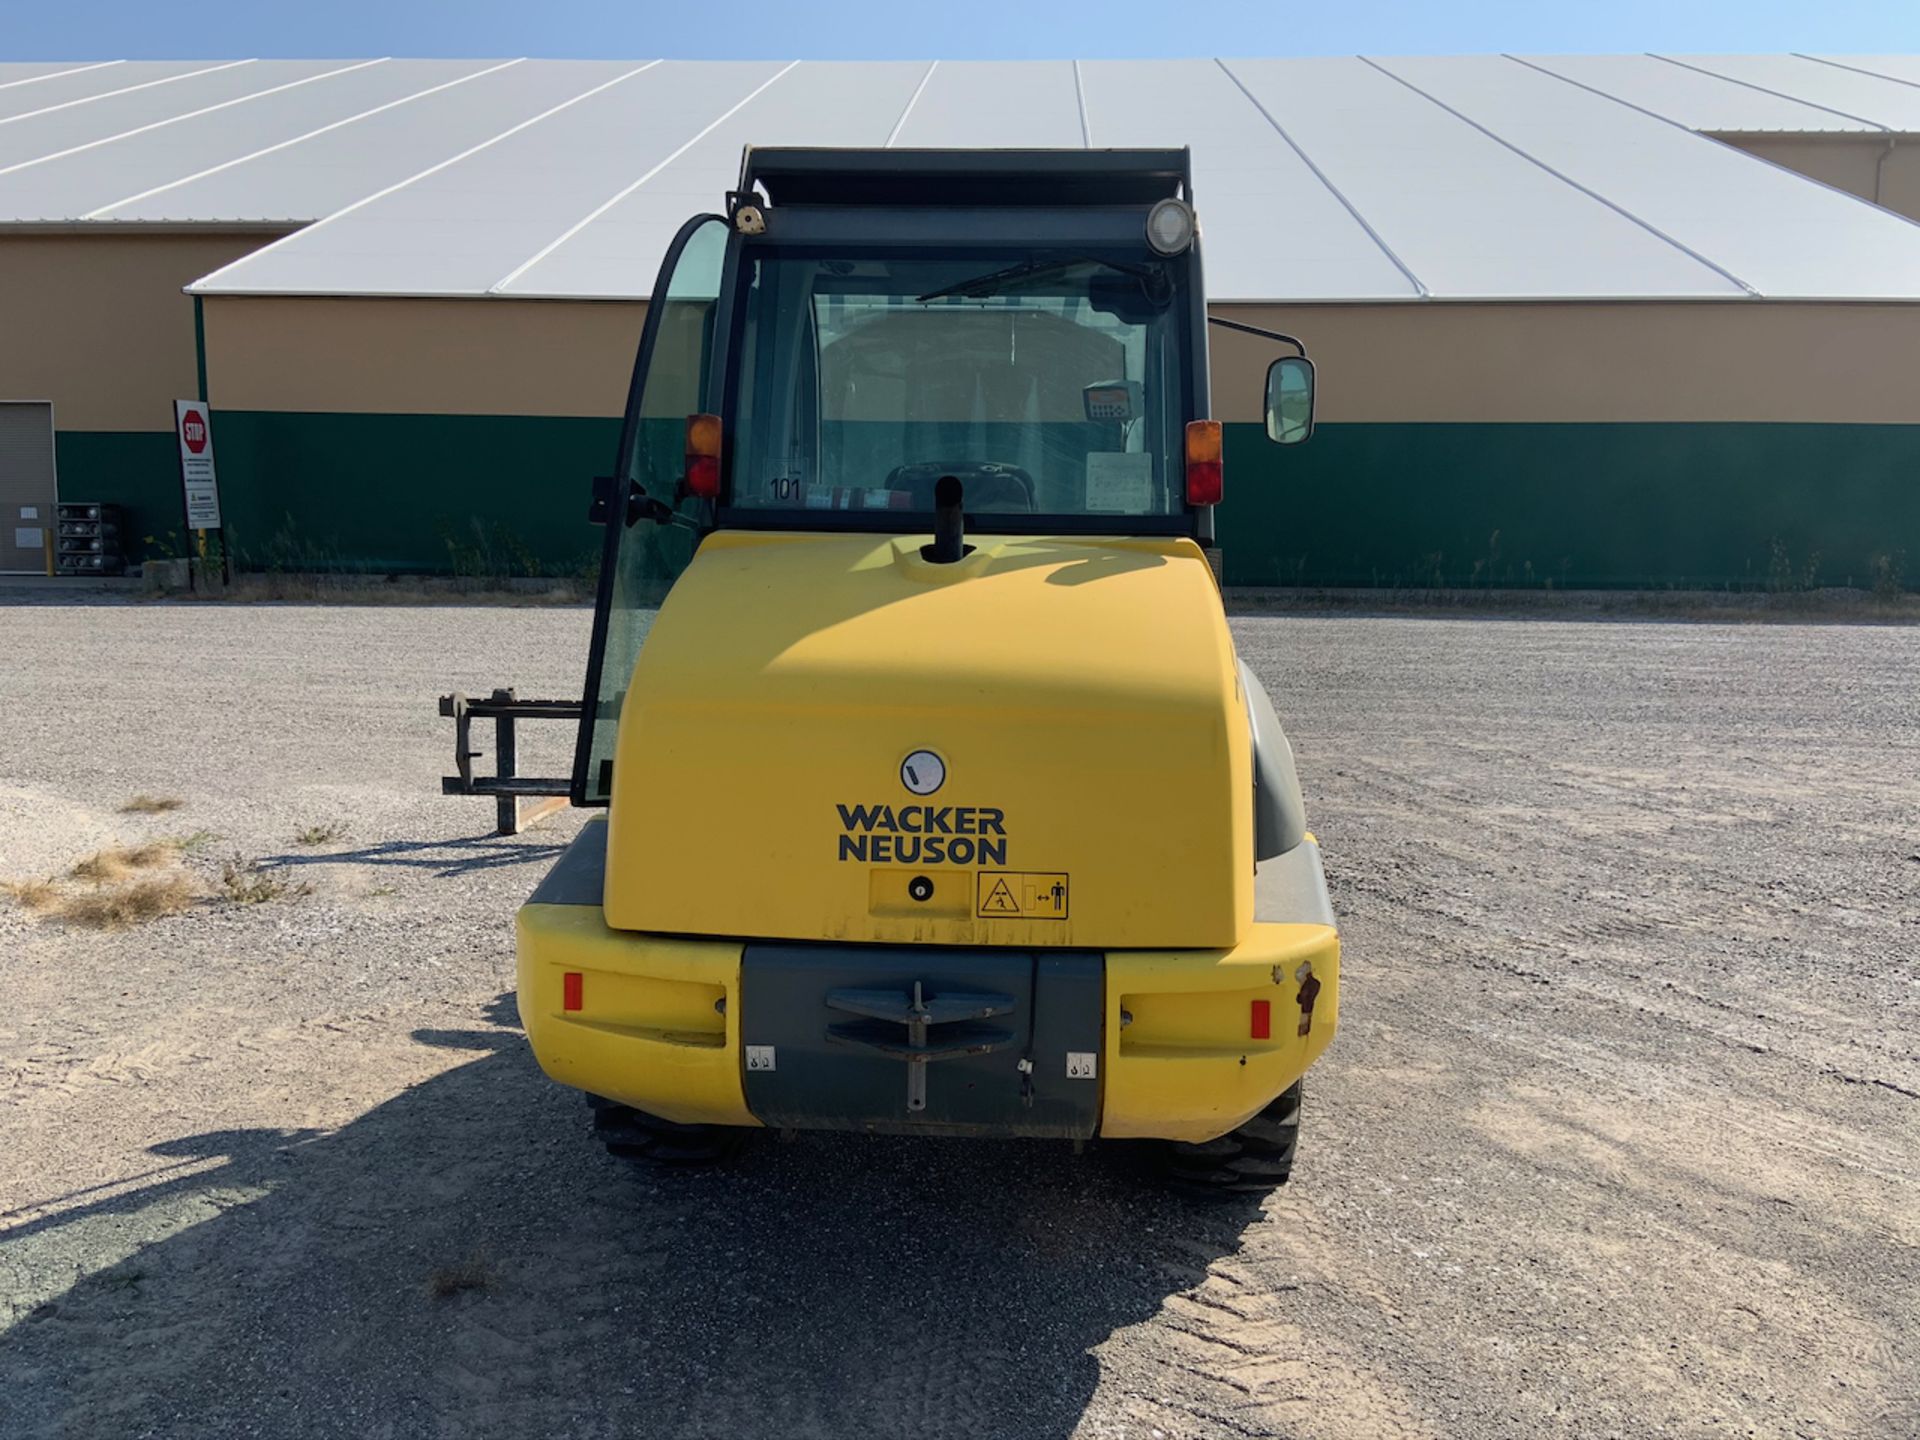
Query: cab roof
(972,178)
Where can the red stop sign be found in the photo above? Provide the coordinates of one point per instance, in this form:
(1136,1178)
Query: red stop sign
(193,429)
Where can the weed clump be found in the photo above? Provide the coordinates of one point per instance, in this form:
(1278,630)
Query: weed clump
(116,863)
(144,804)
(1889,575)
(321,834)
(105,907)
(33,896)
(129,905)
(243,882)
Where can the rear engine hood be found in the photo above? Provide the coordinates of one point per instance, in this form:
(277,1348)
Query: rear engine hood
(1094,782)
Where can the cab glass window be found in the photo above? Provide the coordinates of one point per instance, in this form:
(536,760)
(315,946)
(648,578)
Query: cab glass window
(1050,385)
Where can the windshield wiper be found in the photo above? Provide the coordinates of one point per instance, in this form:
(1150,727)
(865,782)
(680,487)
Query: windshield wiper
(994,281)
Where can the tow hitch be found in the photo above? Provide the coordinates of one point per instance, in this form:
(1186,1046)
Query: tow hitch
(881,1010)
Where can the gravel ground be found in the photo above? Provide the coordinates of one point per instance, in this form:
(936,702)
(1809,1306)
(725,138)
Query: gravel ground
(1619,1137)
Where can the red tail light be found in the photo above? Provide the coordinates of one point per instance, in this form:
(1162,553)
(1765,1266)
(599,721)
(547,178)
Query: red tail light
(1262,1026)
(571,986)
(1203,462)
(703,456)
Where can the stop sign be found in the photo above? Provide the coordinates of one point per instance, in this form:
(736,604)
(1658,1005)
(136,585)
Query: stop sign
(193,429)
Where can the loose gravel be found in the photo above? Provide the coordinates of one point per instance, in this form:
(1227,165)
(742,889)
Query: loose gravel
(1619,1136)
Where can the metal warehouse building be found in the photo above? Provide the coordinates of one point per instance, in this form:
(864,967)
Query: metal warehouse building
(1608,320)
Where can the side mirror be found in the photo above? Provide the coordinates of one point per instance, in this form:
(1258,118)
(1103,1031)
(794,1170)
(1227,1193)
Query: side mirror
(1290,400)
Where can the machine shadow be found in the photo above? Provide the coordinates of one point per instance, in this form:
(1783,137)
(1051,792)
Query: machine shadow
(464,1260)
(444,859)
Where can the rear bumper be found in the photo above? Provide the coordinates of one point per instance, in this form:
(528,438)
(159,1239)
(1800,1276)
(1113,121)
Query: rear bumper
(1182,1053)
(1184,1060)
(657,1025)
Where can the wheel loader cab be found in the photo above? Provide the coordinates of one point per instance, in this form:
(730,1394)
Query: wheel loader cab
(937,799)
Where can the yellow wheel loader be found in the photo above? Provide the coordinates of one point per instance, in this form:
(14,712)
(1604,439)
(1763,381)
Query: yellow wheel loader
(937,799)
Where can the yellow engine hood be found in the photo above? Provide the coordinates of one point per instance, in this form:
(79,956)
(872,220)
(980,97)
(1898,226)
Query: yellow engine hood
(1080,694)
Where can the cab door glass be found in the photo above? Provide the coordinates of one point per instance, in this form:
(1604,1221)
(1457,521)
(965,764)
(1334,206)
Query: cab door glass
(643,559)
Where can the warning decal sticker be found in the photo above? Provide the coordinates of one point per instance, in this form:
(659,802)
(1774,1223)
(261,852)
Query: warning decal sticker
(1021,895)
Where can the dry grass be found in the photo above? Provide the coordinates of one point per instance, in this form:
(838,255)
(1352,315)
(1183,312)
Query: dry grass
(244,883)
(34,896)
(129,904)
(151,805)
(121,894)
(450,1280)
(104,908)
(105,866)
(321,834)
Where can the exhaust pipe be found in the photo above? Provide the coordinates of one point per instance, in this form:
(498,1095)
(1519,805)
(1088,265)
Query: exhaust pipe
(949,525)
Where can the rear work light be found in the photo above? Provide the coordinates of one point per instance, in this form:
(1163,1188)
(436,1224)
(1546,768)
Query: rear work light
(1170,227)
(703,456)
(1203,462)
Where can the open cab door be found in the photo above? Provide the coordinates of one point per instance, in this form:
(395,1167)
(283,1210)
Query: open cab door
(652,522)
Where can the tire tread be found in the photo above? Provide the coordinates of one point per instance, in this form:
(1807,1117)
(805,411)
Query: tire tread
(634,1135)
(1253,1158)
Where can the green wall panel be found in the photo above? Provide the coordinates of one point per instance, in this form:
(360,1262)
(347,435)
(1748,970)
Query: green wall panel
(137,470)
(469,494)
(1574,505)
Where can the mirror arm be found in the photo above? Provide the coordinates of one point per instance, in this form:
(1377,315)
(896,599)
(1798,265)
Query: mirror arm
(1256,330)
(645,507)
(640,505)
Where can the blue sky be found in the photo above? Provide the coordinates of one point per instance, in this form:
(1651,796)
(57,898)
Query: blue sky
(958,29)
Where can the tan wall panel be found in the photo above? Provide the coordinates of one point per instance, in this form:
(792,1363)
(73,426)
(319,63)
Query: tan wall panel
(1728,360)
(1722,360)
(427,357)
(1881,168)
(1900,178)
(98,325)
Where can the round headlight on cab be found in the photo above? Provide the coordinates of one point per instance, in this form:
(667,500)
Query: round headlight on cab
(1170,226)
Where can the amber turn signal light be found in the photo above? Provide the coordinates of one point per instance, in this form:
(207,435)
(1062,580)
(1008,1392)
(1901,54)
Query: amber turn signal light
(1203,462)
(703,456)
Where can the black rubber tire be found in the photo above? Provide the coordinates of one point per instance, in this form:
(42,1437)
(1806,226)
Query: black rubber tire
(636,1136)
(1253,1159)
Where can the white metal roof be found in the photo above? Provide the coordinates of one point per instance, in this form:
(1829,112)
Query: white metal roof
(1467,213)
(1362,179)
(995,103)
(1768,230)
(343,161)
(42,88)
(19,72)
(48,134)
(133,162)
(1695,98)
(1886,67)
(1263,205)
(826,103)
(1889,104)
